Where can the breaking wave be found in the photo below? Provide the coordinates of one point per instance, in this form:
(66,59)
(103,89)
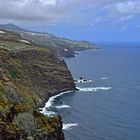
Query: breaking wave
(62,106)
(48,113)
(83,81)
(45,110)
(69,126)
(93,89)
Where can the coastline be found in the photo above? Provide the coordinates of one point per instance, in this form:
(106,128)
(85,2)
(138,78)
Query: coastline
(51,99)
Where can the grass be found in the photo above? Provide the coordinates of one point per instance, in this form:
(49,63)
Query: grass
(14,45)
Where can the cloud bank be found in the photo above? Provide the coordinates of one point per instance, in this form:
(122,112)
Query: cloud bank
(76,12)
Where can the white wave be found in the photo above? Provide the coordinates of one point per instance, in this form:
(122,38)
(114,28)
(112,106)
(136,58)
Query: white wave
(50,103)
(48,113)
(69,126)
(104,78)
(62,106)
(93,89)
(83,81)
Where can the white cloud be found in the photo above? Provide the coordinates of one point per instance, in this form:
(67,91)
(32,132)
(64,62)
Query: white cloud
(127,17)
(124,10)
(125,7)
(49,2)
(77,12)
(128,7)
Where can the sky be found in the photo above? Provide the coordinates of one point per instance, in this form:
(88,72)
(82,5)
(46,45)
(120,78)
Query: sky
(93,20)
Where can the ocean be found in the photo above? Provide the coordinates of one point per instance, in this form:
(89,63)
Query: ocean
(108,107)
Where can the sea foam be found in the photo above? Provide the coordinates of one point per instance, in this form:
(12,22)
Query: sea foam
(62,106)
(69,126)
(82,81)
(91,89)
(45,110)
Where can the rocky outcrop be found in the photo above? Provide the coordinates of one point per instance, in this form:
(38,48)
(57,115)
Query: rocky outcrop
(29,75)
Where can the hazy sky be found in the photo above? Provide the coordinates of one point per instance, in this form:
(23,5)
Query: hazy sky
(95,20)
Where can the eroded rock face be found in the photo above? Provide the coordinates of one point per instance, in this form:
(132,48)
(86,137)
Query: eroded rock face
(47,74)
(27,79)
(10,131)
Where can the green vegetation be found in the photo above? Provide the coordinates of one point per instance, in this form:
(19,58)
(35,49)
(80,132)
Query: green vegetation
(13,73)
(28,77)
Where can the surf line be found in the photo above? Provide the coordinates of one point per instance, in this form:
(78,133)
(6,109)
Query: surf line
(69,126)
(45,110)
(91,89)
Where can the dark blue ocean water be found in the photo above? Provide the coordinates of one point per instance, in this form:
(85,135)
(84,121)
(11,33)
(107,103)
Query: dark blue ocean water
(100,113)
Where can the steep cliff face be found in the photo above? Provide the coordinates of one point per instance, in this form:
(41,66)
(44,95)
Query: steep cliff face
(29,75)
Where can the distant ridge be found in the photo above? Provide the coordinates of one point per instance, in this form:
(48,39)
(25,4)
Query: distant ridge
(11,26)
(60,46)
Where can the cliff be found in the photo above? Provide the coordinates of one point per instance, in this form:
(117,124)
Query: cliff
(61,47)
(29,75)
